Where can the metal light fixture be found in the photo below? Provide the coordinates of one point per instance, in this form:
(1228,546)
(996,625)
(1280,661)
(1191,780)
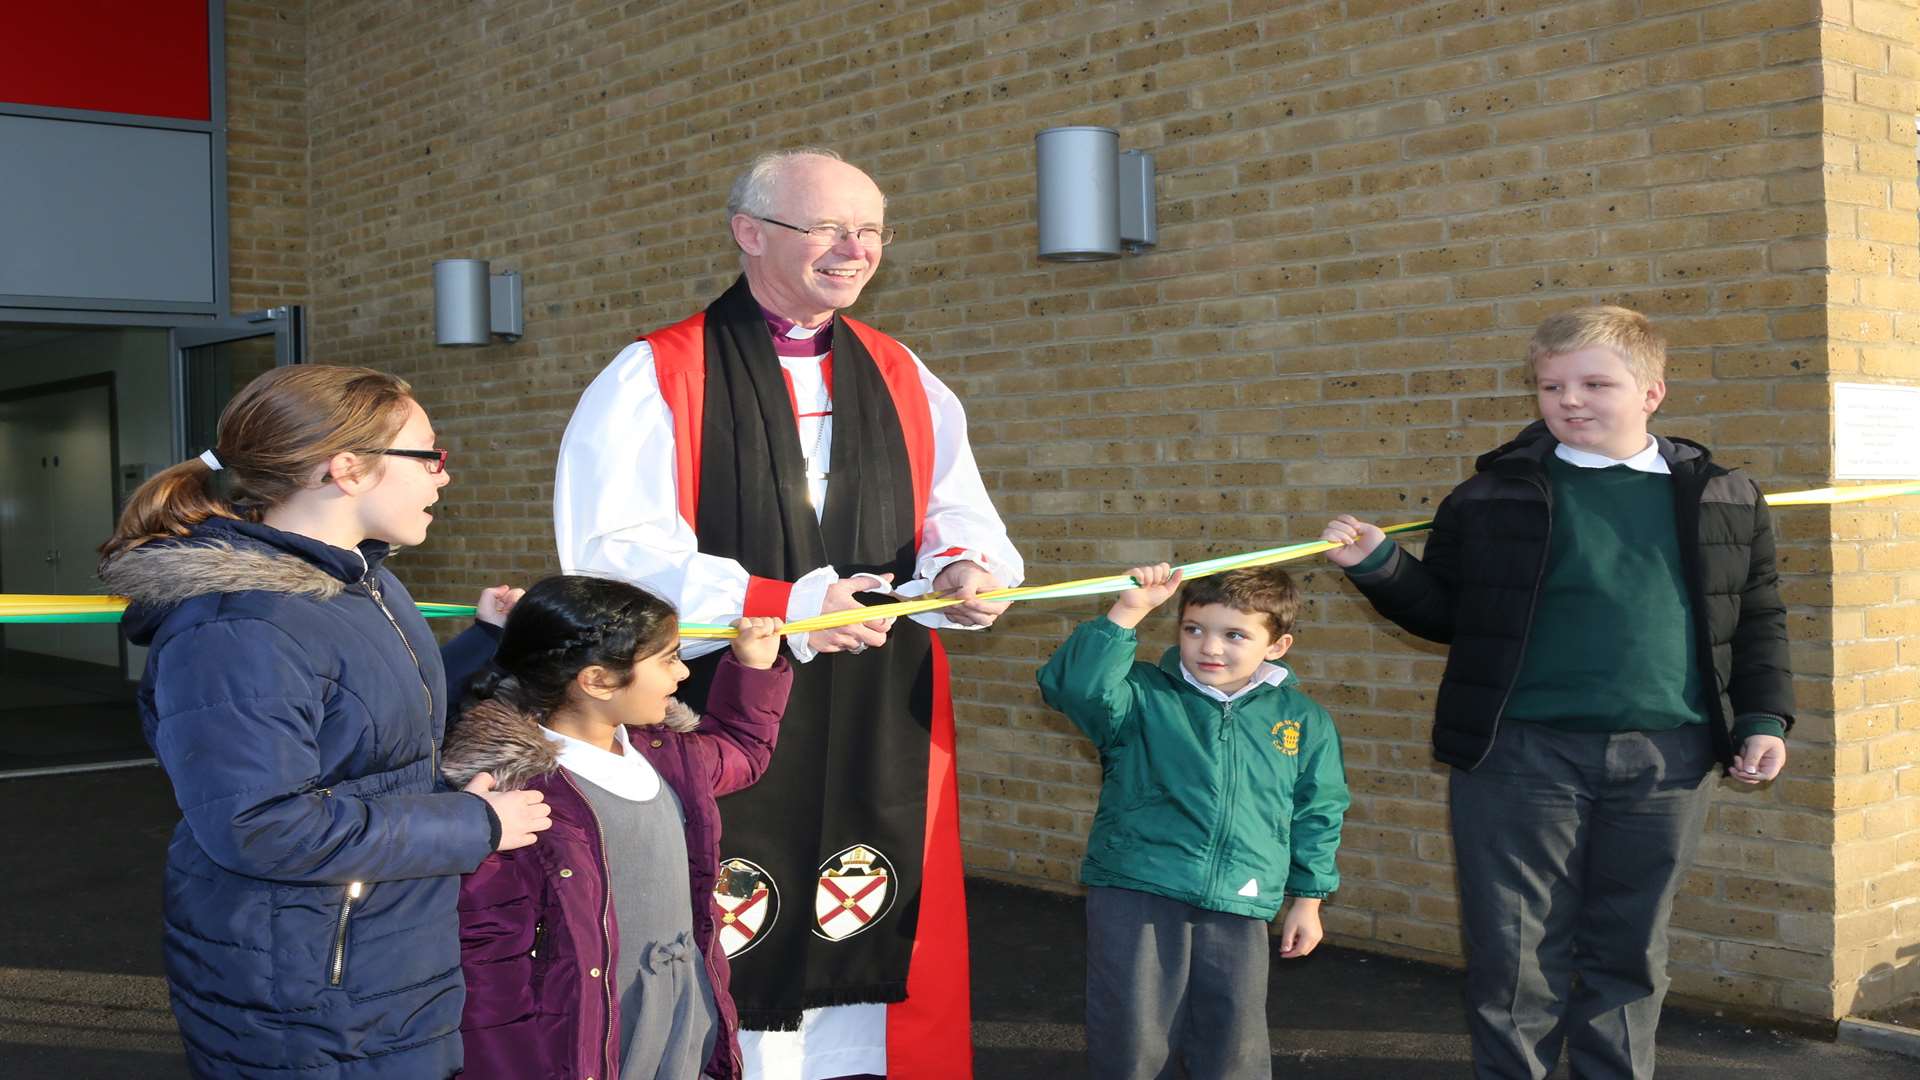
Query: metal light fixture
(471,305)
(1095,201)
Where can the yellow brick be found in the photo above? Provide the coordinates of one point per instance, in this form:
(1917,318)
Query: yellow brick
(1592,83)
(1884,18)
(1744,91)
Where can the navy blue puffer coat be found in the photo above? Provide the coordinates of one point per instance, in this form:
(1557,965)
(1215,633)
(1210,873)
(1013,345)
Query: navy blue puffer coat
(297,700)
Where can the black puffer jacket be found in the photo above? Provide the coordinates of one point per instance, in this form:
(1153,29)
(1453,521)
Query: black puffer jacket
(1476,585)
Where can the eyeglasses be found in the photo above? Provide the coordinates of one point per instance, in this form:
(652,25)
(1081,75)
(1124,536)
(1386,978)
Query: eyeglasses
(436,459)
(827,234)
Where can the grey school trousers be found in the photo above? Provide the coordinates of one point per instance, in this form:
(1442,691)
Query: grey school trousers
(1570,847)
(1167,982)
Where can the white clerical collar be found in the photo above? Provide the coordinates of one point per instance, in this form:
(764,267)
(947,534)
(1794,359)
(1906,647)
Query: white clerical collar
(626,774)
(1646,461)
(1265,675)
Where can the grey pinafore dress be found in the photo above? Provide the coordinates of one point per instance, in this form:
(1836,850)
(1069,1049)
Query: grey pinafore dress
(667,1017)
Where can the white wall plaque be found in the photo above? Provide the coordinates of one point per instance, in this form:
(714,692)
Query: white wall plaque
(1876,432)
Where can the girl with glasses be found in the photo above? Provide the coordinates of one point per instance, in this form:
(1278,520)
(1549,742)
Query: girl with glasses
(296,700)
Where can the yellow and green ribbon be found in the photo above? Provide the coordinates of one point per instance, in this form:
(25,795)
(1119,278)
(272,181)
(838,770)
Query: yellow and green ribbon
(23,608)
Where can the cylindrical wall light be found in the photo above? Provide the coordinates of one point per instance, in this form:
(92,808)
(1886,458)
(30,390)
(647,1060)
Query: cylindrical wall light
(461,304)
(472,306)
(1079,182)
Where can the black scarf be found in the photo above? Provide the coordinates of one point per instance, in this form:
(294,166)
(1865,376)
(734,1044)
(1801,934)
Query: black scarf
(851,765)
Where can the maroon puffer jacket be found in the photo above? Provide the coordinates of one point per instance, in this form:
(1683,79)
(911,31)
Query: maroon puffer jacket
(537,933)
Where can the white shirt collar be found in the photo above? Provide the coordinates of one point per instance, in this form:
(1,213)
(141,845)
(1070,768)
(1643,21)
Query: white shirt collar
(801,333)
(626,774)
(1646,461)
(1265,675)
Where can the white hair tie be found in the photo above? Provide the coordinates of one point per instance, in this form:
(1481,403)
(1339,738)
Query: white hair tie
(207,457)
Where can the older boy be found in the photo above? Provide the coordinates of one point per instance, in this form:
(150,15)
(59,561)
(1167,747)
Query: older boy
(1223,793)
(1616,629)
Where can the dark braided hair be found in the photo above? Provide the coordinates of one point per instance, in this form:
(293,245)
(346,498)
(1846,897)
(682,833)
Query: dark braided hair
(564,625)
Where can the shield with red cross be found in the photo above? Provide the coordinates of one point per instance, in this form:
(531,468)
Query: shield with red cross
(855,890)
(745,904)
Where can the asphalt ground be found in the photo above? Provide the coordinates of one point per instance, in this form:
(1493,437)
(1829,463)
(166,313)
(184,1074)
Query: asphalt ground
(81,994)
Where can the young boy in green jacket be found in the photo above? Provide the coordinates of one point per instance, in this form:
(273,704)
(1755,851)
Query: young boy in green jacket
(1223,793)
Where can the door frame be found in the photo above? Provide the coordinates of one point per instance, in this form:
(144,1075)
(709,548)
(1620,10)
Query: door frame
(286,324)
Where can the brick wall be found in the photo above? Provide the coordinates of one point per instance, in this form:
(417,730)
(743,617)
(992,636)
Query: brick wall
(267,152)
(1872,780)
(1365,207)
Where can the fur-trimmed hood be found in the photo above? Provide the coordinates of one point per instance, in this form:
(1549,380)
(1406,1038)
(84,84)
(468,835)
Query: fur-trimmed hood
(494,737)
(224,556)
(162,575)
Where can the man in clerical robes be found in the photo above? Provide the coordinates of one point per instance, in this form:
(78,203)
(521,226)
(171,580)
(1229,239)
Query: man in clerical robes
(769,456)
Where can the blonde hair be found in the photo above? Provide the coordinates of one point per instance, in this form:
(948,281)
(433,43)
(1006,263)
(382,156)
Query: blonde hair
(273,435)
(1628,333)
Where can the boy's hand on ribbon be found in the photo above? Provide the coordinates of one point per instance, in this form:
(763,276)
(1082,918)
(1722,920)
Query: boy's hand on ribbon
(1356,538)
(1152,586)
(495,603)
(1760,759)
(1300,932)
(757,642)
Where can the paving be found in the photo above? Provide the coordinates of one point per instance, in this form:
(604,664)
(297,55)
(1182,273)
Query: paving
(81,995)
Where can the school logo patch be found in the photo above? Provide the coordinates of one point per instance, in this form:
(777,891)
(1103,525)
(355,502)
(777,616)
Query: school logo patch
(1286,735)
(745,904)
(855,890)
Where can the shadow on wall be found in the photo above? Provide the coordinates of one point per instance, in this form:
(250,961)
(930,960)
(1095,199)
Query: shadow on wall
(1890,992)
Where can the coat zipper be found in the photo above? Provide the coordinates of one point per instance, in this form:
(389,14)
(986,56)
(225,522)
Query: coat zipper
(1228,749)
(1686,507)
(1533,604)
(606,925)
(355,890)
(373,590)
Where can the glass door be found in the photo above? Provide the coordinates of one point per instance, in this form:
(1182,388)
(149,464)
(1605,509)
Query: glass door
(87,414)
(212,363)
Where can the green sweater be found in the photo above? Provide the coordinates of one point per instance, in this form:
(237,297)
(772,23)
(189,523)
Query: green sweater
(1612,647)
(1226,806)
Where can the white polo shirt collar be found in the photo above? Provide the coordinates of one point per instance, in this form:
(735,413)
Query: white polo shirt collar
(1646,461)
(627,774)
(1264,675)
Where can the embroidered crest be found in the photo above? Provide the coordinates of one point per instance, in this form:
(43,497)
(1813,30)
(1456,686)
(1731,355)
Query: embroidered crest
(745,904)
(1287,737)
(855,890)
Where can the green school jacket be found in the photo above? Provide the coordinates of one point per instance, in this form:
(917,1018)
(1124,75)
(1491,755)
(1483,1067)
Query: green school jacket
(1226,806)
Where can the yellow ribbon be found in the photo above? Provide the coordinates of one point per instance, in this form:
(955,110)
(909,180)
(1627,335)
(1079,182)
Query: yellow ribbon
(19,608)
(1122,582)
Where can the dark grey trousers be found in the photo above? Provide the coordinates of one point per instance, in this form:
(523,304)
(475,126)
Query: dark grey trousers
(1169,982)
(1570,847)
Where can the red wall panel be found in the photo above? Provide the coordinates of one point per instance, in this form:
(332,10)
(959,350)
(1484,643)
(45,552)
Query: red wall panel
(147,57)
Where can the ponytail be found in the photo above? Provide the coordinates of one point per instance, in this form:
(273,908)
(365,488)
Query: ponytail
(274,436)
(169,504)
(490,684)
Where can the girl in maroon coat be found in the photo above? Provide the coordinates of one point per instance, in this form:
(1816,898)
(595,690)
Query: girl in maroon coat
(593,955)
